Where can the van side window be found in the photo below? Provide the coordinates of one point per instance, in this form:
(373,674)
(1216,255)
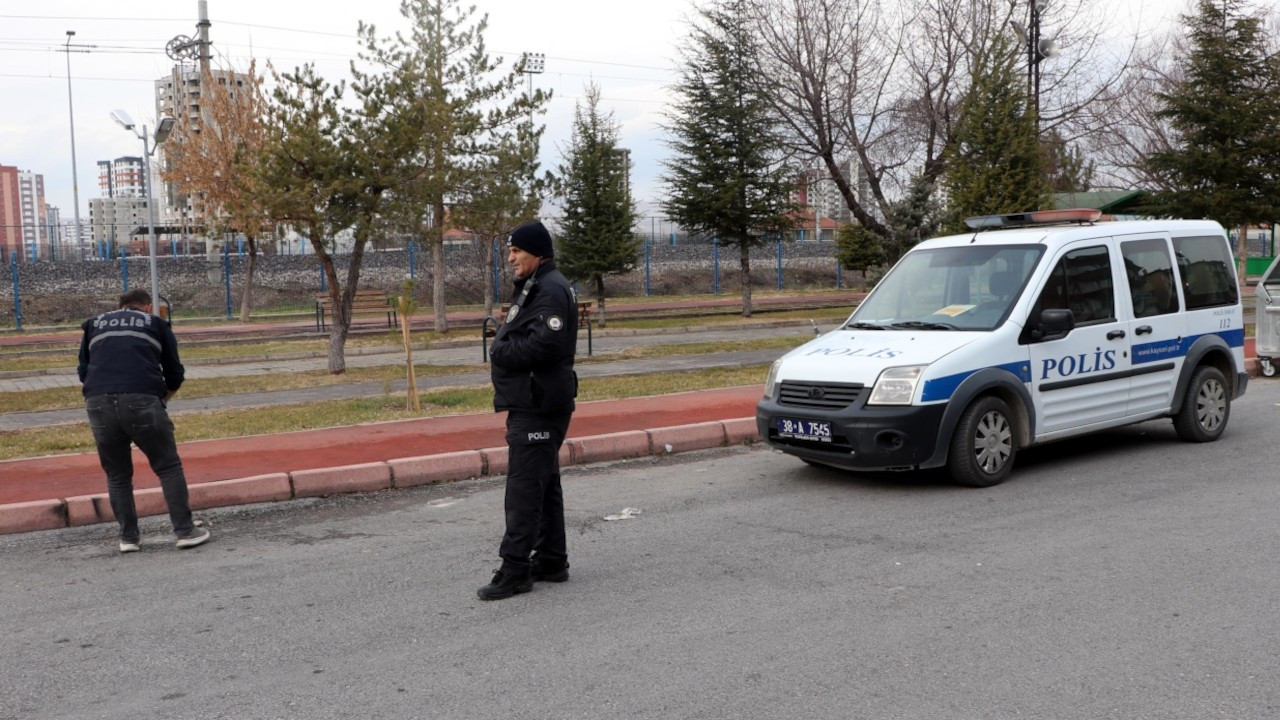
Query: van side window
(1149,270)
(1081,282)
(1205,266)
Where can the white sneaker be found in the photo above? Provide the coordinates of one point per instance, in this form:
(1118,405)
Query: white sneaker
(128,546)
(197,536)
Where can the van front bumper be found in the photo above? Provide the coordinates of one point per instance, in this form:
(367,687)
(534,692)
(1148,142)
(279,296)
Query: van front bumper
(877,438)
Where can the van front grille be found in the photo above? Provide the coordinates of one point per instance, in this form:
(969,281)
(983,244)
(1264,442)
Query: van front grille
(824,396)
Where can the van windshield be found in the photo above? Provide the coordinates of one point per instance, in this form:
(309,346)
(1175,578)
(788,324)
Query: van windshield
(972,287)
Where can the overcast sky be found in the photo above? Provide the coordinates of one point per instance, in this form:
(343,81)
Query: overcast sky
(628,48)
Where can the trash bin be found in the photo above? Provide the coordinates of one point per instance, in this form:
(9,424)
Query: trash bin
(1267,299)
(165,311)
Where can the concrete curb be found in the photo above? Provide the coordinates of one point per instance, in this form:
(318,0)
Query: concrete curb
(370,477)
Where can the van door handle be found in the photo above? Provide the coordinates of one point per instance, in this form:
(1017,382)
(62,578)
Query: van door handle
(1142,330)
(1115,334)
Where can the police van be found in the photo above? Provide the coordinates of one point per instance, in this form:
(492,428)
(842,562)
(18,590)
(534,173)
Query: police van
(1034,327)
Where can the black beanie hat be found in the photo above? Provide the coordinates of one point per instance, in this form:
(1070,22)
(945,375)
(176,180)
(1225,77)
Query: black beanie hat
(533,238)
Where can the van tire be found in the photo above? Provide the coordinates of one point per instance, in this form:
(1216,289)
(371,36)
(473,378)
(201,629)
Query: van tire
(983,445)
(1206,407)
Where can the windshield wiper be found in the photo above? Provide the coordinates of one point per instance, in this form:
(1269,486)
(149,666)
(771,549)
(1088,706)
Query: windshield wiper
(864,326)
(918,325)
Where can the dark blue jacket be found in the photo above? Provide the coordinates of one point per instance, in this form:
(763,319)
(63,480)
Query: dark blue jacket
(532,354)
(129,351)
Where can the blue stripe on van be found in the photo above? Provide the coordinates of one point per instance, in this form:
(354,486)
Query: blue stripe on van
(1166,349)
(944,387)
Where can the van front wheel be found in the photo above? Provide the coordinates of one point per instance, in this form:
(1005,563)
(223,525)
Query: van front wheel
(983,445)
(1205,408)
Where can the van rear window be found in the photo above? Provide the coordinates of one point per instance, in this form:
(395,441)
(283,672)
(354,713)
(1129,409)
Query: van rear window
(1205,266)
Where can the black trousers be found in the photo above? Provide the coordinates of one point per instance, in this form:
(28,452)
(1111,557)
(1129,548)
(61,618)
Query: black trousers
(534,501)
(119,420)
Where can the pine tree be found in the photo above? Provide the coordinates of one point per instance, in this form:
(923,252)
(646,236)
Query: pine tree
(727,177)
(859,249)
(300,175)
(597,235)
(1067,169)
(995,165)
(459,102)
(1224,112)
(916,216)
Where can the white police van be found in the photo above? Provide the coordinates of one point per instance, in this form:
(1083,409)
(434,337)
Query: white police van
(1035,327)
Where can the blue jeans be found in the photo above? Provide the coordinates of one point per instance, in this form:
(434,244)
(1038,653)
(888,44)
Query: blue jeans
(118,420)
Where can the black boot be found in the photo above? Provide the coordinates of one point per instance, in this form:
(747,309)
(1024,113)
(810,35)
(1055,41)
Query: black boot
(550,572)
(504,585)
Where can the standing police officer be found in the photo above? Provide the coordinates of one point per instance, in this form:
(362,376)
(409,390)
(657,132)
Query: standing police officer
(129,366)
(533,380)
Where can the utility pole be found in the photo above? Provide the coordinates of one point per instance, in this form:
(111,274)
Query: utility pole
(1038,49)
(203,28)
(75,182)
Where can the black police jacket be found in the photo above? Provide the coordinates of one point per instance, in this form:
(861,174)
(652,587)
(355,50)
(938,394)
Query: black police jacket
(129,351)
(532,354)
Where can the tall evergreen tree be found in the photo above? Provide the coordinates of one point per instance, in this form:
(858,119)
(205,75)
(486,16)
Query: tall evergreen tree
(1067,169)
(995,165)
(859,249)
(727,177)
(597,232)
(458,100)
(1225,112)
(505,191)
(916,216)
(304,175)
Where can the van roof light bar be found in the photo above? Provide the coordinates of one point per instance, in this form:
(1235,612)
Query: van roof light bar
(1036,217)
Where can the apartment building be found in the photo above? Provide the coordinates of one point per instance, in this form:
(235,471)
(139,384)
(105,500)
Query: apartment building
(112,221)
(123,177)
(178,95)
(23,215)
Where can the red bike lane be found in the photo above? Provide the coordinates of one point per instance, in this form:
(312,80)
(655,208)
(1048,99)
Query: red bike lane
(63,476)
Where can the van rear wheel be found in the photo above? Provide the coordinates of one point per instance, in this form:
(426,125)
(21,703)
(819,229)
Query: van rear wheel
(983,445)
(1205,408)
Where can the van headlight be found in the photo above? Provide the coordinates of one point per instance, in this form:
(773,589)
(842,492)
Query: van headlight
(771,379)
(896,386)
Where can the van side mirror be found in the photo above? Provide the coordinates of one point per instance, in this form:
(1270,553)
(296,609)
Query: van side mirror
(1055,323)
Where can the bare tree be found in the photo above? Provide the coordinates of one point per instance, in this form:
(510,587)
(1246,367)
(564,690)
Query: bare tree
(854,81)
(1136,130)
(213,160)
(826,67)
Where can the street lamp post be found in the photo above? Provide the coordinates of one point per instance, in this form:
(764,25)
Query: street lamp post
(75,182)
(163,129)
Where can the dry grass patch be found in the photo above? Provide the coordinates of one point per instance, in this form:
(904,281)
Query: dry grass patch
(70,397)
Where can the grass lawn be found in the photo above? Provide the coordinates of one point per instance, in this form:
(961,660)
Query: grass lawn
(390,406)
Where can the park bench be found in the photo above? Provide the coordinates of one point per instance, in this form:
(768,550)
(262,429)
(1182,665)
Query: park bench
(364,302)
(490,327)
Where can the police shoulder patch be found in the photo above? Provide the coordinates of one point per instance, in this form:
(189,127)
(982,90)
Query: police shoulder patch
(554,322)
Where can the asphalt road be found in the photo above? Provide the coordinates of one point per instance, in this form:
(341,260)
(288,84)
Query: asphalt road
(1128,575)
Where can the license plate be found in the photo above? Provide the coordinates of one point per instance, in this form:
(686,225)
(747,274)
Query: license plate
(812,430)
